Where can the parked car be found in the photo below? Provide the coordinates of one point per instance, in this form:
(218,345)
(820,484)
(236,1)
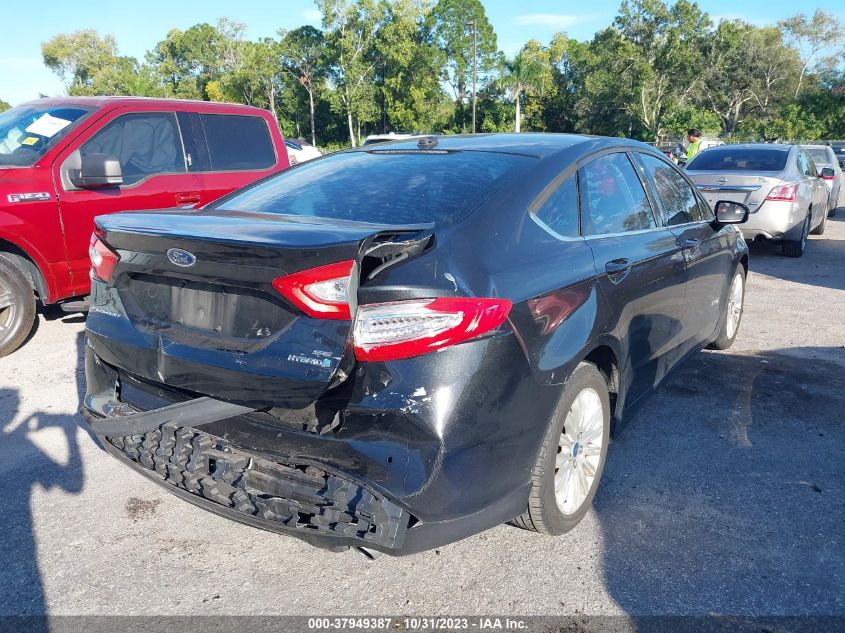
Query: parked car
(824,157)
(374,139)
(394,348)
(64,161)
(838,149)
(779,183)
(301,151)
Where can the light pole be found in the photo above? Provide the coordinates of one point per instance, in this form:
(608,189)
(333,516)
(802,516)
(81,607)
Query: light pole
(474,25)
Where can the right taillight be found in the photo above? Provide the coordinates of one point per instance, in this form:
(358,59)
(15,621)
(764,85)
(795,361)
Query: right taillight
(784,193)
(402,329)
(103,260)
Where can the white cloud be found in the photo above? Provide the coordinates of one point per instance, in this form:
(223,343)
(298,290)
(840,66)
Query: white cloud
(551,20)
(312,15)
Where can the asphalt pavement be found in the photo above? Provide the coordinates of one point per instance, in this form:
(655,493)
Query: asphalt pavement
(725,494)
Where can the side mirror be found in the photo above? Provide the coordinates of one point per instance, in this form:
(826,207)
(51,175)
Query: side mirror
(827,173)
(728,212)
(98,170)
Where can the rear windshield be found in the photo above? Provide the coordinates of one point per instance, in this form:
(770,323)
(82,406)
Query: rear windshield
(819,154)
(382,186)
(739,159)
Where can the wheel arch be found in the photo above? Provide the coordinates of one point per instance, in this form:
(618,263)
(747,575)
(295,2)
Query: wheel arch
(26,262)
(605,356)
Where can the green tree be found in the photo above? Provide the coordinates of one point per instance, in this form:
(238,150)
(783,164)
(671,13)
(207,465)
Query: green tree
(302,58)
(78,57)
(449,26)
(4,105)
(810,36)
(188,60)
(351,28)
(528,73)
(409,67)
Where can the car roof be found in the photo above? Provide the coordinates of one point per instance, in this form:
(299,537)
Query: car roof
(108,102)
(538,145)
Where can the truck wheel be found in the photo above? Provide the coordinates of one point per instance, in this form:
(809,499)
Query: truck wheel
(795,248)
(732,314)
(17,307)
(569,466)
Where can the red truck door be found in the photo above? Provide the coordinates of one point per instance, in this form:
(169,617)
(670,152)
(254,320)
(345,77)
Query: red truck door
(150,148)
(230,150)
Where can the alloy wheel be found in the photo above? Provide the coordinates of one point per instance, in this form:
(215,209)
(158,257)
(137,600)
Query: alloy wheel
(734,309)
(7,306)
(579,451)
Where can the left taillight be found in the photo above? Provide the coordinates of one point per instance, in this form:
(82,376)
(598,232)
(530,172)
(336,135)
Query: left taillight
(402,329)
(103,259)
(322,292)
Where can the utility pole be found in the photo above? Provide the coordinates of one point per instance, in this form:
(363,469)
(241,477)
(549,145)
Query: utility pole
(474,25)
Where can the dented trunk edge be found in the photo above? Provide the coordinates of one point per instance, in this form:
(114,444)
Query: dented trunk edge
(436,462)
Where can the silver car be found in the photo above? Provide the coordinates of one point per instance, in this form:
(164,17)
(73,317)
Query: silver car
(825,158)
(779,183)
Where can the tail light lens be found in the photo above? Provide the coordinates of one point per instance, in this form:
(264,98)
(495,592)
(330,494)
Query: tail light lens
(401,329)
(321,292)
(784,193)
(103,260)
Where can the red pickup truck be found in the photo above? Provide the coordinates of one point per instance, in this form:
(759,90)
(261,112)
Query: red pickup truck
(64,161)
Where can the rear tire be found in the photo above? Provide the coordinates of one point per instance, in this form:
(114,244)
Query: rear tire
(796,248)
(819,230)
(568,455)
(17,307)
(732,312)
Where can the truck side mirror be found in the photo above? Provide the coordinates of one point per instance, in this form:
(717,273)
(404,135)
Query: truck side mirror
(98,170)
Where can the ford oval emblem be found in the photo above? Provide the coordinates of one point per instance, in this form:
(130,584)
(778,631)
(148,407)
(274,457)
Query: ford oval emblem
(181,257)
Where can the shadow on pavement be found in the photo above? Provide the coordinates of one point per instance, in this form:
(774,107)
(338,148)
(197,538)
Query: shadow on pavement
(725,493)
(25,465)
(823,263)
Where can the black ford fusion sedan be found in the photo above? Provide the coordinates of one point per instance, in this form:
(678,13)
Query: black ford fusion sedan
(394,347)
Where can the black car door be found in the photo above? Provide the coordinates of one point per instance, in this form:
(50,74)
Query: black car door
(705,247)
(640,268)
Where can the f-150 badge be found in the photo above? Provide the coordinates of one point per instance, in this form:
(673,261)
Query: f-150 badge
(28,197)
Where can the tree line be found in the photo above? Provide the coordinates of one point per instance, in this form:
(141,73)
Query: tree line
(406,65)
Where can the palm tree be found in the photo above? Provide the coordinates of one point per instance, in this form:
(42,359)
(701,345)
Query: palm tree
(529,72)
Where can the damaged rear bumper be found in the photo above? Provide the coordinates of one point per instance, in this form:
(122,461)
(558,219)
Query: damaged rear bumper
(398,480)
(298,499)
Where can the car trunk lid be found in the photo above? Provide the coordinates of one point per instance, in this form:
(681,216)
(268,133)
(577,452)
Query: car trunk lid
(736,186)
(197,287)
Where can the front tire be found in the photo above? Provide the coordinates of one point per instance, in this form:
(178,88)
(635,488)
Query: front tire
(17,307)
(571,460)
(732,314)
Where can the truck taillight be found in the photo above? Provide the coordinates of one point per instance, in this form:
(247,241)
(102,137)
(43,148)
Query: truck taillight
(402,329)
(322,292)
(103,260)
(784,193)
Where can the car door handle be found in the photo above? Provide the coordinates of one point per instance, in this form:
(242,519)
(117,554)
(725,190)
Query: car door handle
(617,266)
(692,242)
(187,199)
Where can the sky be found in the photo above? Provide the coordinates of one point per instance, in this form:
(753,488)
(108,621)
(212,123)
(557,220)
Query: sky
(137,26)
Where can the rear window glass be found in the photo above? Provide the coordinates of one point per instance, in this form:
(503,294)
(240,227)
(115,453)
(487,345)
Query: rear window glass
(740,158)
(382,187)
(820,155)
(238,143)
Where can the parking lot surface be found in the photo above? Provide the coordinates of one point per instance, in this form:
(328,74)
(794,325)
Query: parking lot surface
(725,494)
